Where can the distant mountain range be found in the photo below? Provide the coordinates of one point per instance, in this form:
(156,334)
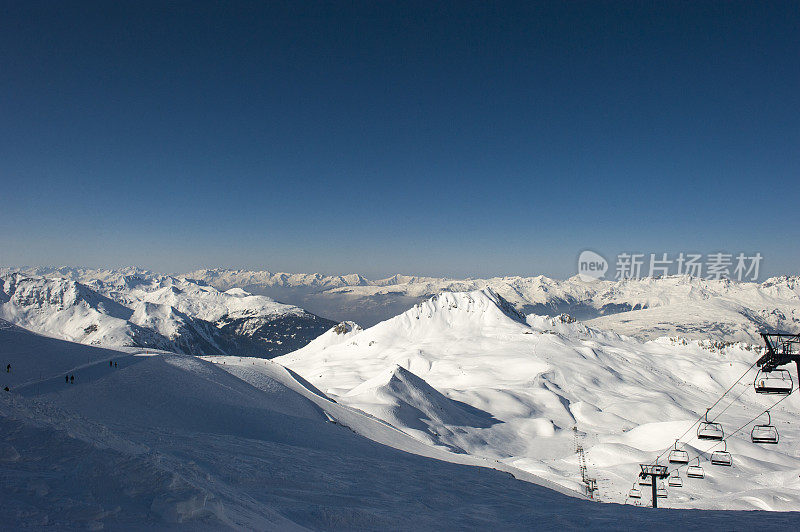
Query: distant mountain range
(647,308)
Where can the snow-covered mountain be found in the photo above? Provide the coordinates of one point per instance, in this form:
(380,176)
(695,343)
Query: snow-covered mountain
(467,373)
(165,441)
(646,308)
(72,311)
(156,311)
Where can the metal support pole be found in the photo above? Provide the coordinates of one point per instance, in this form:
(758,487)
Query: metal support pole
(655,495)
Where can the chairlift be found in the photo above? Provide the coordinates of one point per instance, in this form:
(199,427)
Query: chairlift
(675,481)
(722,458)
(695,471)
(765,433)
(678,456)
(647,480)
(775,382)
(635,493)
(708,430)
(661,491)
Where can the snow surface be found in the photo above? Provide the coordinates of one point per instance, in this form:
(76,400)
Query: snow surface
(166,441)
(465,372)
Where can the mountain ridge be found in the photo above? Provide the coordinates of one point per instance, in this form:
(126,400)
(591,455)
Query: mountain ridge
(646,308)
(158,312)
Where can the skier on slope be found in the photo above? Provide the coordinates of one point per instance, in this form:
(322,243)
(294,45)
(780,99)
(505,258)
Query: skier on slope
(66,379)
(8,368)
(72,379)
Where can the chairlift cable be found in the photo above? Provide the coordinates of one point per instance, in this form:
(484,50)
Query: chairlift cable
(712,406)
(735,431)
(762,413)
(746,389)
(732,385)
(677,468)
(705,416)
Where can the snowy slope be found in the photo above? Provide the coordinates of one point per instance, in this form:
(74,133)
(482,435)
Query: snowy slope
(404,400)
(476,378)
(701,309)
(169,441)
(147,310)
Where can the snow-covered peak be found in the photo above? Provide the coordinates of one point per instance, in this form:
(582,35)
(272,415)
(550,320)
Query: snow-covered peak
(56,295)
(237,292)
(446,319)
(448,312)
(566,325)
(404,399)
(394,379)
(190,296)
(67,309)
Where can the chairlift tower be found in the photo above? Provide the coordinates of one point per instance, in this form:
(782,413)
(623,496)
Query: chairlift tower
(655,472)
(590,483)
(782,349)
(591,487)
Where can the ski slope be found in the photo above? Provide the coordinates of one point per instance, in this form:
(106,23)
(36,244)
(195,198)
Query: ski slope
(465,372)
(166,440)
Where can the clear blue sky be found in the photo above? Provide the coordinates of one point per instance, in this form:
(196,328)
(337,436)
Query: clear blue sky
(456,138)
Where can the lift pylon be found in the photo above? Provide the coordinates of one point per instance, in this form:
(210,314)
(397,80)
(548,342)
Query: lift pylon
(655,472)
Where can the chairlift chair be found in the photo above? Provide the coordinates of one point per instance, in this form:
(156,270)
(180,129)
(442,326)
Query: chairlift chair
(635,493)
(775,382)
(675,481)
(678,456)
(661,491)
(646,481)
(695,471)
(708,430)
(765,433)
(722,458)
